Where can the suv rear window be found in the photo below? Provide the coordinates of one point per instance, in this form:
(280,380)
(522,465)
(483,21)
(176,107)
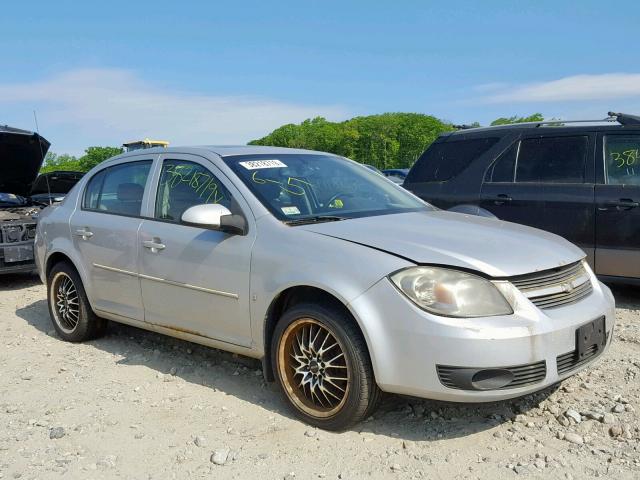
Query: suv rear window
(552,159)
(542,160)
(446,160)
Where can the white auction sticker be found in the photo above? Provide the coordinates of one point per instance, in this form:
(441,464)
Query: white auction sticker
(290,210)
(256,164)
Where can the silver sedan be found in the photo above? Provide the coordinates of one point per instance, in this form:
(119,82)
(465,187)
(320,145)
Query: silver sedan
(342,283)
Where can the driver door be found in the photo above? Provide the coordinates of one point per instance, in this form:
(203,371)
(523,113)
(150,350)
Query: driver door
(195,280)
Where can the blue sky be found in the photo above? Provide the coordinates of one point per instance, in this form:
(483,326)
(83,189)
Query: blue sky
(193,72)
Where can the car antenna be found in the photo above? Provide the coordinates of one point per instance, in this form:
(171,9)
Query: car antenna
(46,178)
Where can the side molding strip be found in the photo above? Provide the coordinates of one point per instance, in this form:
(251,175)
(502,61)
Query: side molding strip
(168,282)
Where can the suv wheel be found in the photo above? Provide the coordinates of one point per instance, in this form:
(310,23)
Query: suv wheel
(323,367)
(69,308)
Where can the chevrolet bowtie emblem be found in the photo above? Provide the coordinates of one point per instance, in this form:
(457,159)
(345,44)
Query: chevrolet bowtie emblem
(567,287)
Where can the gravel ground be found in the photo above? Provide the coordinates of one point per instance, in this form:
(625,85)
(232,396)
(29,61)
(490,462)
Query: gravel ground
(139,405)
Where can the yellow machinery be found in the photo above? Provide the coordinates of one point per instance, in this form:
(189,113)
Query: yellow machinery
(142,144)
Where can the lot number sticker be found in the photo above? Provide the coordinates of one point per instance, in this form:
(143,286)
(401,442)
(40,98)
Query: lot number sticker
(257,164)
(290,210)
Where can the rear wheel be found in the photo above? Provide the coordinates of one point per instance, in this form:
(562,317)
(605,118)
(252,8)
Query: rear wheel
(69,307)
(323,367)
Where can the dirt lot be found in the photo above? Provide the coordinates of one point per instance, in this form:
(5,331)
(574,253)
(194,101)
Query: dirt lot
(138,405)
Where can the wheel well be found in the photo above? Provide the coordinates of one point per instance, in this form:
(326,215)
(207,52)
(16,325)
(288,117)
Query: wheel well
(54,259)
(287,299)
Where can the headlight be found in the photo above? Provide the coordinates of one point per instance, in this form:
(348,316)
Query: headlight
(451,293)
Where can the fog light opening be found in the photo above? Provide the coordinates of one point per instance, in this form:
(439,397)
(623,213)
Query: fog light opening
(491,379)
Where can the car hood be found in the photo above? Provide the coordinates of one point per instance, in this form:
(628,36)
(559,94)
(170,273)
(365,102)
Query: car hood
(55,183)
(494,247)
(21,155)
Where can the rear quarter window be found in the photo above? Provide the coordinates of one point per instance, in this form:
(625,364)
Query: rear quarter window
(446,160)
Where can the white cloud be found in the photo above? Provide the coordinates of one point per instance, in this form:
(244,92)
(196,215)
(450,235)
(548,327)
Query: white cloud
(577,87)
(86,107)
(490,87)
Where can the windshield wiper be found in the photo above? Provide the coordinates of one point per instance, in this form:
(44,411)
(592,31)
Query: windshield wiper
(315,219)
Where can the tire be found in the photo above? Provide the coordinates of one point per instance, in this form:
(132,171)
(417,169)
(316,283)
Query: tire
(71,314)
(322,364)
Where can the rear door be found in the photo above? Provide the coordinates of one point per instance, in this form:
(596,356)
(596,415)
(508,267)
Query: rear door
(105,231)
(547,182)
(618,205)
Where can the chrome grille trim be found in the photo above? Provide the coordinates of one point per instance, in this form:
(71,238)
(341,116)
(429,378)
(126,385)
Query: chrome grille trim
(547,277)
(557,287)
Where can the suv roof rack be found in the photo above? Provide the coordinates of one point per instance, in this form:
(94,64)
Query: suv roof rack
(625,118)
(621,118)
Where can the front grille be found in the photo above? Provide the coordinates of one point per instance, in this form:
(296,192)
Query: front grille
(570,361)
(17,232)
(556,287)
(523,375)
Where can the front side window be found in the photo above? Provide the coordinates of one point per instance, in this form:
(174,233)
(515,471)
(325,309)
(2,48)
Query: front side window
(446,160)
(552,160)
(184,184)
(622,160)
(303,186)
(118,189)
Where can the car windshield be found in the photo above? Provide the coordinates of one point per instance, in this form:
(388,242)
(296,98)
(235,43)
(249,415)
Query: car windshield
(11,200)
(315,187)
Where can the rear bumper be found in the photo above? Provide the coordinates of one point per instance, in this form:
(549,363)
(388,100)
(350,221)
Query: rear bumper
(407,344)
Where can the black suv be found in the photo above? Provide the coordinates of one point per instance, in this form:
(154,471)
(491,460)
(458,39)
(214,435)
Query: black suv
(580,180)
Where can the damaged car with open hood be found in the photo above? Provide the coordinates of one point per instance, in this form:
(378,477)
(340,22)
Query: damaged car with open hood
(21,155)
(344,284)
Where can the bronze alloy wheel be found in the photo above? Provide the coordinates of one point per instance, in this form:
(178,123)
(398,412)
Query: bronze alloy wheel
(65,302)
(313,368)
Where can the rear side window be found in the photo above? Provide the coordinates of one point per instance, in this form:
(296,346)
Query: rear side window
(502,170)
(622,161)
(92,192)
(446,160)
(118,189)
(552,160)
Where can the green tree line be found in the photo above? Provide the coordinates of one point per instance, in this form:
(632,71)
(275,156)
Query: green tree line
(388,140)
(92,156)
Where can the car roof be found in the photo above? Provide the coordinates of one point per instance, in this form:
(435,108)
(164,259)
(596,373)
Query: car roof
(224,150)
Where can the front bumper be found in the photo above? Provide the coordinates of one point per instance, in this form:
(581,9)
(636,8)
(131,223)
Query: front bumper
(406,343)
(17,257)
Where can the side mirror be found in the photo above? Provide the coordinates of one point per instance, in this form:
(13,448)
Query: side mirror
(214,217)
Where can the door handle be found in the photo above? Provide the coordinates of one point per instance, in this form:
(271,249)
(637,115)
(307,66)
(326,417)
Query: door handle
(85,233)
(620,205)
(154,245)
(499,199)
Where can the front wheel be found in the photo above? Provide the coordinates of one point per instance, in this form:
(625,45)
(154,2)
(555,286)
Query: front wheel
(323,366)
